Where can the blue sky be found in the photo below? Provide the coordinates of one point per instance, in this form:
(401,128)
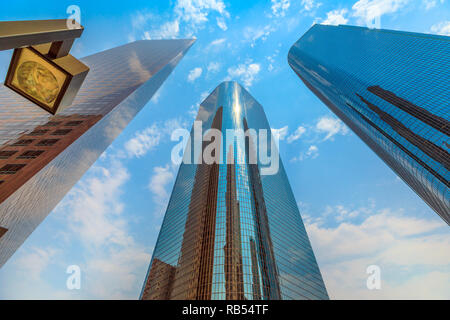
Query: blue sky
(357,212)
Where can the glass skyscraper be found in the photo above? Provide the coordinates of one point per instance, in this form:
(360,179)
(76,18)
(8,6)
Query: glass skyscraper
(393,90)
(232,230)
(42,155)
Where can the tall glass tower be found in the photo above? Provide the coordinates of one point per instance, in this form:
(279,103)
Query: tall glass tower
(42,156)
(232,230)
(393,90)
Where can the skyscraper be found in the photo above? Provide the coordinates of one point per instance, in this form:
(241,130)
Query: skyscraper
(392,89)
(232,230)
(42,156)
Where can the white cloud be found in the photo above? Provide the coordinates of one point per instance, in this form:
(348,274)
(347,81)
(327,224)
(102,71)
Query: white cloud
(311,153)
(168,30)
(95,207)
(341,213)
(93,213)
(216,46)
(331,126)
(195,12)
(297,134)
(271,60)
(156,96)
(194,74)
(279,7)
(325,129)
(189,16)
(221,24)
(411,252)
(441,28)
(149,138)
(252,34)
(429,4)
(25,275)
(36,260)
(335,17)
(143,141)
(213,67)
(245,72)
(367,10)
(157,185)
(218,42)
(116,275)
(140,19)
(308,5)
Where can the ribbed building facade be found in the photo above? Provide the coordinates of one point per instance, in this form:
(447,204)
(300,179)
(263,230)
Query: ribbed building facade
(392,89)
(42,155)
(231,232)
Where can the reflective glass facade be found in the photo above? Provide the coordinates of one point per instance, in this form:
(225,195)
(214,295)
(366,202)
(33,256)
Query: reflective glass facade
(42,156)
(229,231)
(392,89)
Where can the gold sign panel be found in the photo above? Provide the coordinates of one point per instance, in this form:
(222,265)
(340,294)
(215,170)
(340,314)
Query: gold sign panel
(37,79)
(41,69)
(51,83)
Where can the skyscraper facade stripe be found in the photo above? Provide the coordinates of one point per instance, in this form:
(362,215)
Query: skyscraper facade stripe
(230,231)
(42,156)
(391,88)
